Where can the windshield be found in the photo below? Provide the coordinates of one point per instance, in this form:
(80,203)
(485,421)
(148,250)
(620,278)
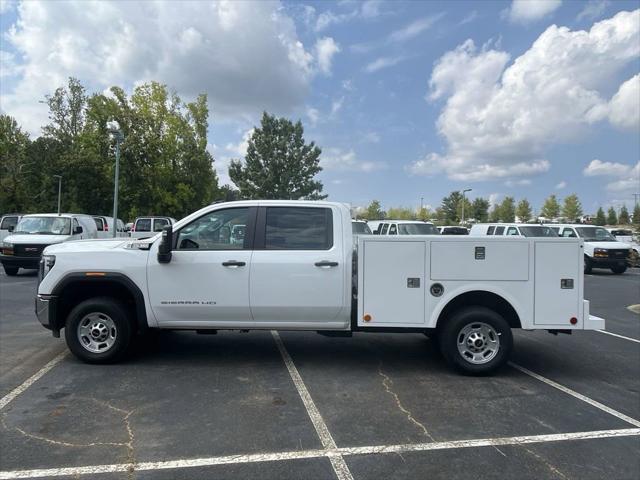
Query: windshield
(44,226)
(360,227)
(595,234)
(417,229)
(538,231)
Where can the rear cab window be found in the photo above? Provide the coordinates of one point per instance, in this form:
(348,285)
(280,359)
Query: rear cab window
(490,230)
(143,225)
(99,224)
(159,224)
(9,221)
(298,228)
(499,231)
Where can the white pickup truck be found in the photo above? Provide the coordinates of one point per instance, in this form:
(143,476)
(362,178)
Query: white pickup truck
(299,268)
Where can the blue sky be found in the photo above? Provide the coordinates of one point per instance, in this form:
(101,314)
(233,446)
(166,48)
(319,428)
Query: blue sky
(406,99)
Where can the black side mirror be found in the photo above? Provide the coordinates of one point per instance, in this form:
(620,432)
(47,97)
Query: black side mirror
(77,230)
(166,245)
(11,228)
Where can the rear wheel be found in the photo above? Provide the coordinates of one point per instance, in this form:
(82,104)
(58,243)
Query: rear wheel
(476,340)
(11,271)
(618,269)
(98,330)
(588,265)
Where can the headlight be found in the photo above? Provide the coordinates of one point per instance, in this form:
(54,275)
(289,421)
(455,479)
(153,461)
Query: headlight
(7,245)
(46,264)
(600,252)
(7,248)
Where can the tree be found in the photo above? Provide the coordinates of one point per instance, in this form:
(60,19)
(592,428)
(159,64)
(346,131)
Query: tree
(623,218)
(480,209)
(448,211)
(572,208)
(423,214)
(14,167)
(600,218)
(401,213)
(612,218)
(374,211)
(636,215)
(278,163)
(550,208)
(507,210)
(523,210)
(227,193)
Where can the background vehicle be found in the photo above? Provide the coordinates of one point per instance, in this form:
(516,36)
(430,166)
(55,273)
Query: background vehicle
(145,227)
(512,229)
(360,227)
(33,233)
(601,249)
(453,230)
(406,227)
(105,227)
(294,271)
(7,223)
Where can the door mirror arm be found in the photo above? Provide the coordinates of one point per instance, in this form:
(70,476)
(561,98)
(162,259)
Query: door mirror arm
(166,245)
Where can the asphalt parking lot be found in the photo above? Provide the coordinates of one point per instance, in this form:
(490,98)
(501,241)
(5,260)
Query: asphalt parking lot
(300,405)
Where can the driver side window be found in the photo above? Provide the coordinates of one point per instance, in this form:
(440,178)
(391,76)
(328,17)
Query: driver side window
(218,230)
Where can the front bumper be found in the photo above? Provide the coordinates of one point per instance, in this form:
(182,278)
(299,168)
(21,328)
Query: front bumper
(45,306)
(604,262)
(21,262)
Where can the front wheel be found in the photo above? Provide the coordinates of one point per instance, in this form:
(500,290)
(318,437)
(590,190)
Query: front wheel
(11,271)
(588,265)
(98,330)
(618,269)
(476,341)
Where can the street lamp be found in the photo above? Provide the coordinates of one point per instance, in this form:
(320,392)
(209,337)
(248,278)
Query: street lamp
(114,129)
(463,192)
(59,177)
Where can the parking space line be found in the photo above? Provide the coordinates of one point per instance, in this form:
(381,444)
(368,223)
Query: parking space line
(328,443)
(577,395)
(317,453)
(9,397)
(619,336)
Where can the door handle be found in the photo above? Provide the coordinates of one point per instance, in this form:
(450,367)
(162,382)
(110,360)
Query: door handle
(233,263)
(326,263)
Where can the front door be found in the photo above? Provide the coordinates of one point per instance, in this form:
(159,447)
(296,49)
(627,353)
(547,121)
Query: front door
(206,283)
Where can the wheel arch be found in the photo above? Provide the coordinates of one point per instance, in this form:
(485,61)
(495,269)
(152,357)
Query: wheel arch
(496,301)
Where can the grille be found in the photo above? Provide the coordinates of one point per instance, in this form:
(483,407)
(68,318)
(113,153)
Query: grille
(26,250)
(618,253)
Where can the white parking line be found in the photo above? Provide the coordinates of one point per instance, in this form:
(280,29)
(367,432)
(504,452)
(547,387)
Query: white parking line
(577,395)
(337,461)
(9,397)
(317,453)
(619,336)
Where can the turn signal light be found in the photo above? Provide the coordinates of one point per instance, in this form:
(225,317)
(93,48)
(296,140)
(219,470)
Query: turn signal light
(573,320)
(367,318)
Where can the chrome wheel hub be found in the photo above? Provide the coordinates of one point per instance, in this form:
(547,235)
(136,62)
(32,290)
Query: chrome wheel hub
(478,343)
(97,332)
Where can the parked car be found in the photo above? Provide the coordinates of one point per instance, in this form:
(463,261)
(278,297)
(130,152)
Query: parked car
(601,249)
(105,227)
(145,227)
(626,235)
(33,233)
(453,230)
(512,229)
(7,223)
(406,227)
(294,274)
(127,227)
(360,227)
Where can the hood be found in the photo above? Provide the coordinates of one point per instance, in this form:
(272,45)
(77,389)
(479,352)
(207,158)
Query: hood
(609,245)
(102,245)
(36,239)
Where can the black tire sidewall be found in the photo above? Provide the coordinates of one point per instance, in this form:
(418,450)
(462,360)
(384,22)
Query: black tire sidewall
(619,270)
(116,312)
(587,265)
(11,271)
(448,335)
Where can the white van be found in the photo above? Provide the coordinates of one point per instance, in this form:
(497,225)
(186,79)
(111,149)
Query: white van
(105,227)
(406,227)
(7,223)
(145,227)
(512,229)
(23,248)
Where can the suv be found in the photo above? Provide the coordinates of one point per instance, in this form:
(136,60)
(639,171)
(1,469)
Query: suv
(105,227)
(145,227)
(601,249)
(23,248)
(512,229)
(406,227)
(8,223)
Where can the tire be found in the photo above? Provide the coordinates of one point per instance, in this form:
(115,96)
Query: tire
(98,330)
(588,265)
(482,324)
(619,269)
(11,271)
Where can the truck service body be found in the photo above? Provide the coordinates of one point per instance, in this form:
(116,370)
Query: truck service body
(300,268)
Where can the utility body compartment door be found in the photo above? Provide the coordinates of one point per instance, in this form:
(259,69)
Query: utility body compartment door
(392,283)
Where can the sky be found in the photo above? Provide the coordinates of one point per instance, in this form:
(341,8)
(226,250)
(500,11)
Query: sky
(408,100)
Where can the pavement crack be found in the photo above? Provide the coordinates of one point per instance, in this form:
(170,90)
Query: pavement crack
(546,463)
(387,383)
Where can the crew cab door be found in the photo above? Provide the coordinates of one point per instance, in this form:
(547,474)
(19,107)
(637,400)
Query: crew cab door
(298,268)
(206,283)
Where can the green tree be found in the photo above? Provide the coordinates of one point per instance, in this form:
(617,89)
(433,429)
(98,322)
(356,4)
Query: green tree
(612,218)
(448,211)
(507,210)
(401,213)
(572,208)
(480,209)
(623,218)
(374,211)
(14,167)
(423,214)
(523,210)
(494,214)
(550,208)
(279,163)
(600,218)
(636,215)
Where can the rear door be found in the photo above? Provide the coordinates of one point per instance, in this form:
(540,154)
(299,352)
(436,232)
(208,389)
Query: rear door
(297,268)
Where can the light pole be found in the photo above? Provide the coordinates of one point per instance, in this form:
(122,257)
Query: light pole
(463,192)
(59,177)
(114,129)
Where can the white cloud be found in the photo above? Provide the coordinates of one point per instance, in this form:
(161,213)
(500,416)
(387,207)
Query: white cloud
(340,160)
(526,11)
(7,5)
(336,105)
(414,28)
(498,120)
(383,62)
(314,115)
(365,10)
(371,137)
(326,48)
(240,149)
(518,183)
(245,55)
(562,184)
(494,198)
(469,17)
(593,9)
(624,108)
(623,177)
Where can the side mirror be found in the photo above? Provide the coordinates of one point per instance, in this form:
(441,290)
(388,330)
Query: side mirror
(77,230)
(166,245)
(11,228)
